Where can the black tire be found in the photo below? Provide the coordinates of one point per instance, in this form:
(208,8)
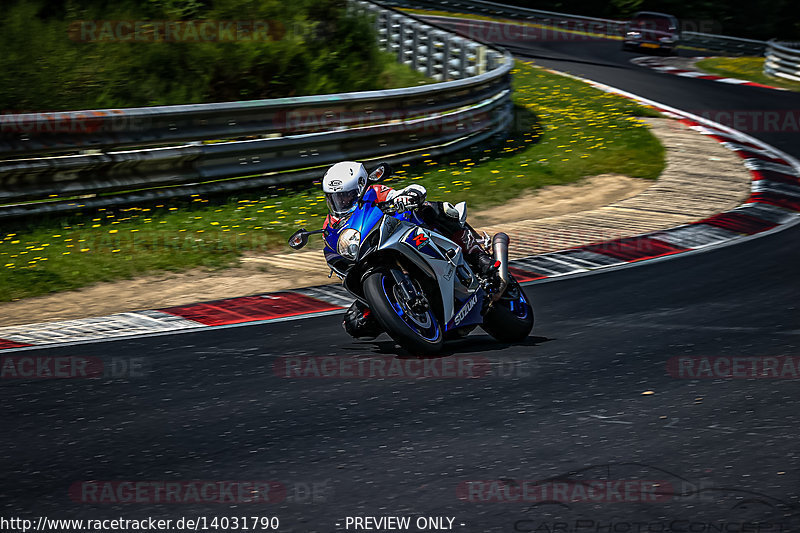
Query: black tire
(379,290)
(505,321)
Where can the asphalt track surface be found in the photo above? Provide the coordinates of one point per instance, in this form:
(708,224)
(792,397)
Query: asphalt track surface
(565,405)
(742,108)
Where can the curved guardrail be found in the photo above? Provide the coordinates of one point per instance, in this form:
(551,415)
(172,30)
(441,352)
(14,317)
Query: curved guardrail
(783,60)
(723,43)
(169,151)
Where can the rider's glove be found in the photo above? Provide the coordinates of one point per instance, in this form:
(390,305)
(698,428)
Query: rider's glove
(405,202)
(409,198)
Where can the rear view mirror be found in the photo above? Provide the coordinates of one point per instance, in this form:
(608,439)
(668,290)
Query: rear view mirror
(298,239)
(381,172)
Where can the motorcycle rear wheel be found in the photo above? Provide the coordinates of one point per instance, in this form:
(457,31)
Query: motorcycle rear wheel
(417,332)
(511,318)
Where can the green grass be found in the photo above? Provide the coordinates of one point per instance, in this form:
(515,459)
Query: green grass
(744,68)
(565,130)
(395,75)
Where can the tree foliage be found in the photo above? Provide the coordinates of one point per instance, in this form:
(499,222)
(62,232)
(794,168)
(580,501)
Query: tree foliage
(319,49)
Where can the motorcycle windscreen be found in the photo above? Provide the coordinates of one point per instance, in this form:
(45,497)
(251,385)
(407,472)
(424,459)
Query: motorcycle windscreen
(363,219)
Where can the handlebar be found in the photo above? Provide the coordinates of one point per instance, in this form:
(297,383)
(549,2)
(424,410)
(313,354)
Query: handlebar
(383,206)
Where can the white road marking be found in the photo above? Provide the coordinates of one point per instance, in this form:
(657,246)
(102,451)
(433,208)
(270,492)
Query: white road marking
(121,324)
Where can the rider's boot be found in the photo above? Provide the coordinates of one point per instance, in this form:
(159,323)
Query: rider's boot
(473,252)
(468,239)
(359,323)
(445,217)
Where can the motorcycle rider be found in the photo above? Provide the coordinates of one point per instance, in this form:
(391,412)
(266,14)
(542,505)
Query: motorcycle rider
(345,182)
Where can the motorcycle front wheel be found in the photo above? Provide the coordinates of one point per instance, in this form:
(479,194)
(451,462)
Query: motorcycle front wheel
(416,330)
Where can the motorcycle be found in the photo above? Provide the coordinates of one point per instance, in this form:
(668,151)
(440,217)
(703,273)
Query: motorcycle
(415,281)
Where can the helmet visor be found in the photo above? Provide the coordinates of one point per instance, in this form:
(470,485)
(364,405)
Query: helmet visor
(341,202)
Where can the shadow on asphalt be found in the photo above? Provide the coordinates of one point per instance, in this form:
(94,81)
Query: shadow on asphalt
(535,54)
(469,345)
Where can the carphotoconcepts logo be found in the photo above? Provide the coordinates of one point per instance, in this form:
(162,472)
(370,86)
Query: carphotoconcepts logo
(594,491)
(199,491)
(698,367)
(144,240)
(176,31)
(718,506)
(42,367)
(587,525)
(560,237)
(385,121)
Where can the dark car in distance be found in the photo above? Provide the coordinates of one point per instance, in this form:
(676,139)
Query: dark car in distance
(651,31)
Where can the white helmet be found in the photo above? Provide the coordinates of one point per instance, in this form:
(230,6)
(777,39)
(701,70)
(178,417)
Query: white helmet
(343,184)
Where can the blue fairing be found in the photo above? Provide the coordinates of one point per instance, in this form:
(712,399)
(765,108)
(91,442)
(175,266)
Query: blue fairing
(363,219)
(468,311)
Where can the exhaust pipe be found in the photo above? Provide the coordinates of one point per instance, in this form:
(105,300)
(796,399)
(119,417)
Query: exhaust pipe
(500,251)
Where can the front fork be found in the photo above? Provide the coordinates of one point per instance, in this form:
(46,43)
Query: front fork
(415,299)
